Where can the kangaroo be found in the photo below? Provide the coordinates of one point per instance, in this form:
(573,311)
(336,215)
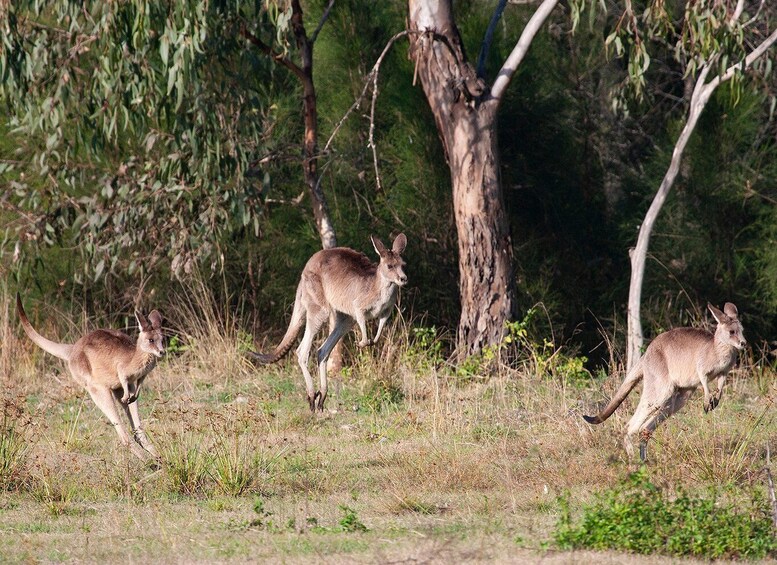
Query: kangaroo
(111,366)
(673,366)
(343,286)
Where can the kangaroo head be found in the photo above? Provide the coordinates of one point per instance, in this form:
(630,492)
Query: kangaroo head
(729,330)
(392,266)
(151,339)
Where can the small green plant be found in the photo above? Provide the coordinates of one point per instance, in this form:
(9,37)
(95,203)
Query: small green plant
(187,466)
(350,521)
(260,521)
(380,393)
(176,346)
(638,517)
(426,347)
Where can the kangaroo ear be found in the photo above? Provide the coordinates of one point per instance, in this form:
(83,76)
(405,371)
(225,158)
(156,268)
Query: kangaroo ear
(380,249)
(156,319)
(142,322)
(717,314)
(399,244)
(731,310)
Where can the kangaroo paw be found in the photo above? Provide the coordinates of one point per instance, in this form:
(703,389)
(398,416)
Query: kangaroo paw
(365,343)
(312,401)
(710,403)
(320,398)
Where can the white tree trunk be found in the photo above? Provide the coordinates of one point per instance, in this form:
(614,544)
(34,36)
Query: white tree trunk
(701,95)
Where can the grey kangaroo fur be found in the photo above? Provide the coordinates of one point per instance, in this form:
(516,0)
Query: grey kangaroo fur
(111,366)
(673,366)
(343,286)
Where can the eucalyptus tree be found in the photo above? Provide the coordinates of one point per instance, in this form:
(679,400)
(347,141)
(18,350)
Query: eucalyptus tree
(291,32)
(710,42)
(139,126)
(143,127)
(465,106)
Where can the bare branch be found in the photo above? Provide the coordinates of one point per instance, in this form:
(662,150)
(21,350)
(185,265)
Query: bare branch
(521,48)
(485,47)
(267,50)
(323,20)
(371,138)
(738,10)
(755,17)
(374,71)
(751,57)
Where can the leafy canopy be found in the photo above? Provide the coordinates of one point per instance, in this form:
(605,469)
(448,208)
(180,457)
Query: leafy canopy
(145,121)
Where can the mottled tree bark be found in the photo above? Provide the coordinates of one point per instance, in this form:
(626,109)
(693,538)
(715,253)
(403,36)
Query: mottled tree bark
(465,115)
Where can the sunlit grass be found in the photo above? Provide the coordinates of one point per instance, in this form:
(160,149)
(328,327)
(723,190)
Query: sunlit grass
(420,455)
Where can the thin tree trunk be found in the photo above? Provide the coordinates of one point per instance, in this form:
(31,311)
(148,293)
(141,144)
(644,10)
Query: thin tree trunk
(635,337)
(310,147)
(701,95)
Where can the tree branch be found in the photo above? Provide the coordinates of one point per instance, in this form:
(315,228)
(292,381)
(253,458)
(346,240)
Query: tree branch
(324,18)
(370,79)
(751,57)
(702,92)
(267,50)
(485,47)
(521,48)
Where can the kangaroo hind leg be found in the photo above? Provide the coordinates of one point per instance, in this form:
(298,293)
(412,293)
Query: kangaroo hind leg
(316,318)
(654,413)
(131,410)
(103,398)
(343,324)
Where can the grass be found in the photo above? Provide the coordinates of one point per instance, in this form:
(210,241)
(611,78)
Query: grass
(414,460)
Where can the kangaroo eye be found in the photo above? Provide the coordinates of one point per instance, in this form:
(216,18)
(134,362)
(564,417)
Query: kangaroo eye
(151,340)
(732,332)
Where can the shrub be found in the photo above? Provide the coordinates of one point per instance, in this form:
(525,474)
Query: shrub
(13,444)
(638,517)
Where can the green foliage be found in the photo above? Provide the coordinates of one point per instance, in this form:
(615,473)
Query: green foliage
(145,117)
(425,347)
(519,347)
(350,521)
(706,35)
(638,517)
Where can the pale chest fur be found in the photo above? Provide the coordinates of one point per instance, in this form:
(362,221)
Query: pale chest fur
(140,366)
(387,297)
(718,361)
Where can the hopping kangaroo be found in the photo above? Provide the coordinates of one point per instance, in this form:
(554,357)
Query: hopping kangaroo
(343,286)
(674,365)
(111,366)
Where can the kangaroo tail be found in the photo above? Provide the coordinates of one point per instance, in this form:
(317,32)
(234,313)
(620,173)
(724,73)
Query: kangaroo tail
(297,321)
(61,350)
(632,379)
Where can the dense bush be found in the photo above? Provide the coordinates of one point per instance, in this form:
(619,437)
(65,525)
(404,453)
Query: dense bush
(639,517)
